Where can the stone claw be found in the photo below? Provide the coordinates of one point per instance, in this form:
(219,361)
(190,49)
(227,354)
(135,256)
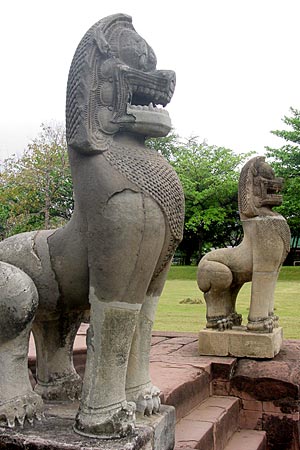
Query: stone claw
(147,400)
(275,320)
(14,412)
(236,319)
(225,324)
(261,326)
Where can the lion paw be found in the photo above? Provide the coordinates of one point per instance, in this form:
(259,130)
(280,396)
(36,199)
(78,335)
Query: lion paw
(225,324)
(26,407)
(222,323)
(275,320)
(147,400)
(261,326)
(66,389)
(236,319)
(109,424)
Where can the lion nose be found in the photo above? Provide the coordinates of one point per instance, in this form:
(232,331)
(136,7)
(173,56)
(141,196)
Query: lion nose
(170,77)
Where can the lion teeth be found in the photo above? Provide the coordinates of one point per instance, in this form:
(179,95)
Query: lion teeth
(150,107)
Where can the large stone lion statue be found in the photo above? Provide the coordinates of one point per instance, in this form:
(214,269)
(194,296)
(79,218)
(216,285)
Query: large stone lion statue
(111,260)
(266,243)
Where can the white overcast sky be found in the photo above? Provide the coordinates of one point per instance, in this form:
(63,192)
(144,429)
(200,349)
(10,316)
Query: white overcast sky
(237,64)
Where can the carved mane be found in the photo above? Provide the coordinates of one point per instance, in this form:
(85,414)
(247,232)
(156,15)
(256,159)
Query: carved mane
(84,81)
(245,189)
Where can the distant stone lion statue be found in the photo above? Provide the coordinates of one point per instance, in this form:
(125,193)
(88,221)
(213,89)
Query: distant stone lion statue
(266,243)
(111,260)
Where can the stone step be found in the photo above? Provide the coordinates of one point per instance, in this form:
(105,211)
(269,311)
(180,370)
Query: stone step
(209,426)
(248,440)
(184,377)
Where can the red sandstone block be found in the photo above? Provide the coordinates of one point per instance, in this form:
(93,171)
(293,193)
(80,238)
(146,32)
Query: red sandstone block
(269,407)
(83,328)
(80,343)
(219,387)
(250,419)
(222,401)
(183,340)
(164,348)
(31,350)
(222,413)
(182,386)
(253,405)
(223,367)
(191,434)
(241,394)
(247,440)
(157,339)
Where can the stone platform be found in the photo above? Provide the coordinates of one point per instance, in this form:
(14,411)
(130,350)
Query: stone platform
(55,432)
(240,343)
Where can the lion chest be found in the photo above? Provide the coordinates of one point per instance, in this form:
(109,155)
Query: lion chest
(151,173)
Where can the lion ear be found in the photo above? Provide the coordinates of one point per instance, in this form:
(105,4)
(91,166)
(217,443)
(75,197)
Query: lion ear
(258,161)
(101,42)
(254,171)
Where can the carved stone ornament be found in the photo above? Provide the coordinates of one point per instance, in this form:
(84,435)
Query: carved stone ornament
(266,243)
(111,260)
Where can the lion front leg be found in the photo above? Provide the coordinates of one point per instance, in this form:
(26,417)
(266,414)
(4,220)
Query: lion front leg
(261,315)
(18,303)
(104,411)
(268,253)
(139,387)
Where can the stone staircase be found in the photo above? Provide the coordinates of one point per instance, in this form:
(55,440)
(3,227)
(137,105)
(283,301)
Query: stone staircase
(205,421)
(228,403)
(214,425)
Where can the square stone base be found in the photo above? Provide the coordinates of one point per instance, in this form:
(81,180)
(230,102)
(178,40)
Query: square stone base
(55,432)
(240,343)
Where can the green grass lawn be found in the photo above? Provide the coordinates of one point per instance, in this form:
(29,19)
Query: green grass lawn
(181,285)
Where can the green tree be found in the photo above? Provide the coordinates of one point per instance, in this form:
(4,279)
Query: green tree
(36,187)
(209,175)
(286,163)
(167,146)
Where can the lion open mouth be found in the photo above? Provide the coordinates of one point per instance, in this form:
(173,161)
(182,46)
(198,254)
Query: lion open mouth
(146,102)
(271,192)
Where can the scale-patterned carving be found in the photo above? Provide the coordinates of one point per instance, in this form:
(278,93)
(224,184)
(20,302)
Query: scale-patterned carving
(243,199)
(154,176)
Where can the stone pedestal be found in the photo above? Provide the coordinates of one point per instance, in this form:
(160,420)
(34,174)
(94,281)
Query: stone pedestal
(55,432)
(240,343)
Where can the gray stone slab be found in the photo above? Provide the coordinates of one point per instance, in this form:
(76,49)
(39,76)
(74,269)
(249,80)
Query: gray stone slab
(55,432)
(240,343)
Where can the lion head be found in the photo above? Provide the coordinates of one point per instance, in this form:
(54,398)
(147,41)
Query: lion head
(259,189)
(114,86)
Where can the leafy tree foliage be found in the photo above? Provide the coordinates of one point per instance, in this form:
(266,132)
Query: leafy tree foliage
(36,187)
(286,163)
(209,175)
